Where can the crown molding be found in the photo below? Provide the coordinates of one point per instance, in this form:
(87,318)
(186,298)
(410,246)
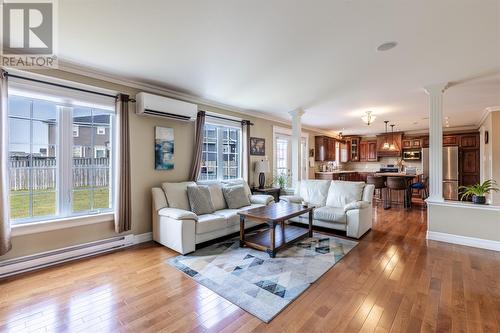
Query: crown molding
(485,114)
(73,68)
(468,128)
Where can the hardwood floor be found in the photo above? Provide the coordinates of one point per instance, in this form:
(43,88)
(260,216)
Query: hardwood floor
(393,281)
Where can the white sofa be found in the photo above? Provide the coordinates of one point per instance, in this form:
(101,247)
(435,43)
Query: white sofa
(340,205)
(177,227)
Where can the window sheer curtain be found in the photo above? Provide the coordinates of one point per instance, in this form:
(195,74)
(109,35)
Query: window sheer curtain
(123,218)
(5,244)
(198,147)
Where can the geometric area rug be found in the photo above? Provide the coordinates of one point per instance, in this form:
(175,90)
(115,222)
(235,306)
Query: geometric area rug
(258,284)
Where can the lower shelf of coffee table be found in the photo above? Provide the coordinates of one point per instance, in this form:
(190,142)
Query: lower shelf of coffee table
(262,240)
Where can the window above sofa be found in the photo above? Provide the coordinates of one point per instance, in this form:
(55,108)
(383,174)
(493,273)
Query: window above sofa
(221,153)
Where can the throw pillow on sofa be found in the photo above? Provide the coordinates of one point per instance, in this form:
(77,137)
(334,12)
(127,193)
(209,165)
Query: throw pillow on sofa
(236,196)
(200,200)
(176,194)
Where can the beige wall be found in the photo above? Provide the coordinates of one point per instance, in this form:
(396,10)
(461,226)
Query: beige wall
(143,174)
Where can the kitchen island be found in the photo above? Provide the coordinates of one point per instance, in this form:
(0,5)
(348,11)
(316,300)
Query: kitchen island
(349,175)
(395,196)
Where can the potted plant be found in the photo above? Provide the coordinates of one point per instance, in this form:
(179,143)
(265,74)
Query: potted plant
(478,191)
(281,179)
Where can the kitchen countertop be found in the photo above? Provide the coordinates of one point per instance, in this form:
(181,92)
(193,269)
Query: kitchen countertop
(396,174)
(335,172)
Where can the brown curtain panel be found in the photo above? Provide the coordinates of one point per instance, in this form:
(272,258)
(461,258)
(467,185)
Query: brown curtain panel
(198,146)
(245,124)
(123,216)
(5,244)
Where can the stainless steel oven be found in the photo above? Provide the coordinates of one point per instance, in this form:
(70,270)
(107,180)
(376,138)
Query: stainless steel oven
(412,154)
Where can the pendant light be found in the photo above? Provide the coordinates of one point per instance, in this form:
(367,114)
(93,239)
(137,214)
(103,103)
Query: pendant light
(386,143)
(392,146)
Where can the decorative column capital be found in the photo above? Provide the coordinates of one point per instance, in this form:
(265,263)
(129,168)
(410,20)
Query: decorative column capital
(297,113)
(438,88)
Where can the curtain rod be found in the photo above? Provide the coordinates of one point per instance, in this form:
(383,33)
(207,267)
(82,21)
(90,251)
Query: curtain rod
(62,86)
(229,119)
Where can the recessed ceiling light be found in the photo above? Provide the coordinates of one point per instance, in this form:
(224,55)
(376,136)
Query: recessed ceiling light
(387,46)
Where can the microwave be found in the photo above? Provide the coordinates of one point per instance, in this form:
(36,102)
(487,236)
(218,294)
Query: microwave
(412,155)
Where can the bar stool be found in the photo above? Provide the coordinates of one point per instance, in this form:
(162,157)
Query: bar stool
(398,184)
(421,187)
(379,184)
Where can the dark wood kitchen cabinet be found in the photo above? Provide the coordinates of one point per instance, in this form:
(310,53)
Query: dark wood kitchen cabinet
(353,143)
(412,143)
(450,140)
(368,151)
(470,167)
(325,148)
(363,151)
(372,151)
(469,141)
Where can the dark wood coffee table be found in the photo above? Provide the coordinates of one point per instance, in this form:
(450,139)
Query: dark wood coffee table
(279,234)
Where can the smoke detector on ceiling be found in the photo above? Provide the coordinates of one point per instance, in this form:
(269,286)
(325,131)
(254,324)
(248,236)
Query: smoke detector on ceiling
(386,46)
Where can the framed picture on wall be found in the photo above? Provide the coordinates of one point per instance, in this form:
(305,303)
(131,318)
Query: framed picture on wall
(164,148)
(257,146)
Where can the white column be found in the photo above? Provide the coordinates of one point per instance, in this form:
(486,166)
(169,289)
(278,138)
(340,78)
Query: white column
(435,93)
(296,137)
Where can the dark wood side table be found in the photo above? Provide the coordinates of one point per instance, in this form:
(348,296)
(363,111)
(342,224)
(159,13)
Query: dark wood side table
(279,234)
(274,191)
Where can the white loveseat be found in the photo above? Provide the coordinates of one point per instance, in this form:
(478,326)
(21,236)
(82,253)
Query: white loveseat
(177,227)
(340,205)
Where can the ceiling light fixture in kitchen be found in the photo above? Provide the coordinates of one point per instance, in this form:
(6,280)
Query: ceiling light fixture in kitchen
(368,118)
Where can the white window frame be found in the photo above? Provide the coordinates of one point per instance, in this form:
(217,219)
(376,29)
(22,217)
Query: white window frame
(277,131)
(76,131)
(219,123)
(101,130)
(64,181)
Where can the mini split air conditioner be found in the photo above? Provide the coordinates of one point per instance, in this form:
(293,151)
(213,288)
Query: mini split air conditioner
(159,106)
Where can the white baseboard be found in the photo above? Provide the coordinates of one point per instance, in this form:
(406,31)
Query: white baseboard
(143,238)
(464,240)
(45,259)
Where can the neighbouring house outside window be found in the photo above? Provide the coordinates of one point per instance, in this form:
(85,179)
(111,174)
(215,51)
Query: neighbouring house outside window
(221,153)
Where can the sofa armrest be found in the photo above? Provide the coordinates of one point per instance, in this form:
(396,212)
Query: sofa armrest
(178,214)
(359,221)
(262,199)
(159,199)
(356,205)
(291,198)
(178,235)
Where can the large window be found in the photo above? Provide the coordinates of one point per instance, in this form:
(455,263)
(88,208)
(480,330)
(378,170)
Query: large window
(221,153)
(60,159)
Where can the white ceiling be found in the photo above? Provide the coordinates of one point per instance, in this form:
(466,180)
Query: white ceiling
(274,56)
